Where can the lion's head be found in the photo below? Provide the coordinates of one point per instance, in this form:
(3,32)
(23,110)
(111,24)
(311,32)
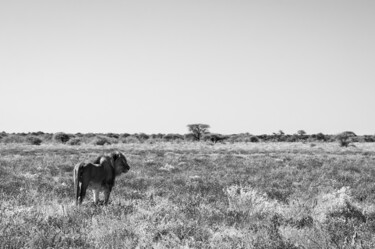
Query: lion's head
(120,163)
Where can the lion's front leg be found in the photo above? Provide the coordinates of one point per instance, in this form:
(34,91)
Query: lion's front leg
(96,195)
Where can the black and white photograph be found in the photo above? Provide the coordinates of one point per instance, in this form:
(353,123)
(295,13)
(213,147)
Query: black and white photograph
(213,124)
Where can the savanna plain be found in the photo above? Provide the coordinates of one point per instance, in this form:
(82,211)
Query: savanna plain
(193,195)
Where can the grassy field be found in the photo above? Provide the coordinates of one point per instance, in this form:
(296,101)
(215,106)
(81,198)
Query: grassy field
(193,195)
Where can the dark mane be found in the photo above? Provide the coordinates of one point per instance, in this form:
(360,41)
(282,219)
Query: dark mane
(113,155)
(97,160)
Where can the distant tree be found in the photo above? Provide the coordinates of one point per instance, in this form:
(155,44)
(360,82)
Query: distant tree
(198,130)
(301,133)
(345,138)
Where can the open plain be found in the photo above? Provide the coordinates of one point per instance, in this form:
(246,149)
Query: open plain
(193,195)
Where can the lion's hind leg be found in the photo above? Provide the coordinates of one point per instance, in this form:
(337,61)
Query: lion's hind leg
(107,193)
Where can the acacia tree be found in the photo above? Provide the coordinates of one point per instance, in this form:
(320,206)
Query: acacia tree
(198,130)
(301,133)
(345,138)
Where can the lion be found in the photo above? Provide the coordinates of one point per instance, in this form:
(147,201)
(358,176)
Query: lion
(99,176)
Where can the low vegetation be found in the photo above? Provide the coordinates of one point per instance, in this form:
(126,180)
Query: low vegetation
(197,132)
(192,195)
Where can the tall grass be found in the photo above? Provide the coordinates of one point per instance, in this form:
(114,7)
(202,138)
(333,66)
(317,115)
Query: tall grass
(192,195)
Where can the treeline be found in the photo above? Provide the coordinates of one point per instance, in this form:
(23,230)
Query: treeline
(37,138)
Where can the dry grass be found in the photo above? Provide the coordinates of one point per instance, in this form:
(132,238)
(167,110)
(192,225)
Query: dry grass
(193,195)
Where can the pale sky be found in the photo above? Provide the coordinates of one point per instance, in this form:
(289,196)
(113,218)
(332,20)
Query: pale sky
(156,66)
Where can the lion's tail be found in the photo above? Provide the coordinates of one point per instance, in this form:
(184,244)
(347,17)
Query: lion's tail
(77,178)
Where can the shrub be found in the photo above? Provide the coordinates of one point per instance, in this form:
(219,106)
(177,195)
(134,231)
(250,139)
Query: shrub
(13,139)
(142,136)
(130,140)
(213,137)
(190,137)
(124,135)
(100,141)
(61,137)
(254,139)
(249,203)
(242,137)
(291,138)
(317,137)
(47,137)
(170,137)
(369,139)
(3,134)
(112,135)
(89,135)
(34,140)
(157,136)
(38,133)
(74,141)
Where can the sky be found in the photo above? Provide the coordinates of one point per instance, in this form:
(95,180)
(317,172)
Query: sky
(156,66)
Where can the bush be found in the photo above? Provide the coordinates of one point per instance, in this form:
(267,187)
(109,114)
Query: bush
(124,135)
(190,137)
(61,137)
(170,137)
(3,134)
(47,137)
(100,141)
(34,140)
(112,135)
(13,139)
(242,138)
(130,140)
(369,139)
(254,139)
(74,141)
(142,136)
(157,136)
